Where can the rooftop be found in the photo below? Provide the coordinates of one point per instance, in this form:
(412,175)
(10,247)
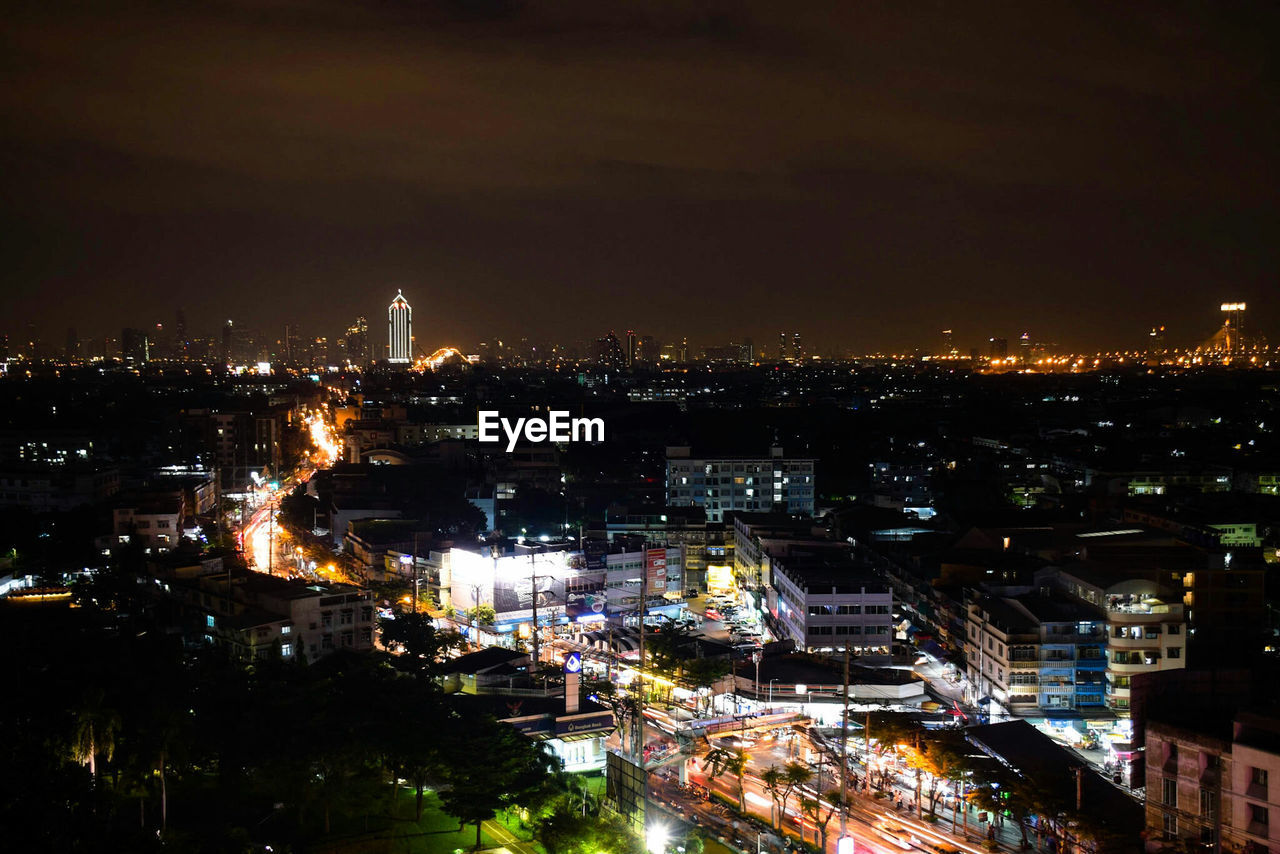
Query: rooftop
(825,575)
(484,660)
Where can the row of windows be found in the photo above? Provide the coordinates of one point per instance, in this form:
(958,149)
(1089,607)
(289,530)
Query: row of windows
(828,610)
(1139,632)
(848,630)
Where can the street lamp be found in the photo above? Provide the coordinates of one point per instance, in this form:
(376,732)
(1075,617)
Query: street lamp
(656,839)
(771,681)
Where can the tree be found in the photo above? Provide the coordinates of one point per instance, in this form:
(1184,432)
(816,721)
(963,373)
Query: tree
(491,767)
(96,728)
(565,831)
(941,757)
(705,672)
(822,818)
(720,761)
(484,614)
(775,783)
(795,774)
(421,647)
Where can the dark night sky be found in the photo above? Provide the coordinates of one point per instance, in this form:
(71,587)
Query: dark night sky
(866,173)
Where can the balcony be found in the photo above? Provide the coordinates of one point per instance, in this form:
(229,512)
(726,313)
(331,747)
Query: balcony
(1132,643)
(1126,669)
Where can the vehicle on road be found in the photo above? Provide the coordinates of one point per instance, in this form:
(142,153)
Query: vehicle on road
(896,834)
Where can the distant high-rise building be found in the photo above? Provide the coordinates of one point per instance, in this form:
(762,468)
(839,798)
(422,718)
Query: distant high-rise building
(292,343)
(134,346)
(782,346)
(1024,347)
(948,343)
(684,350)
(997,348)
(358,341)
(73,344)
(228,339)
(319,352)
(797,349)
(159,343)
(181,342)
(648,349)
(400,330)
(34,345)
(608,352)
(1157,339)
(633,345)
(1229,338)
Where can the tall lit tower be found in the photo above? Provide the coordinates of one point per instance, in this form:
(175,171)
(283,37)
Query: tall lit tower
(400,330)
(1232,331)
(948,343)
(633,344)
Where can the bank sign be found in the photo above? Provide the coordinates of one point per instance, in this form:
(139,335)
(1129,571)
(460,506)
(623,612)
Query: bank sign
(558,426)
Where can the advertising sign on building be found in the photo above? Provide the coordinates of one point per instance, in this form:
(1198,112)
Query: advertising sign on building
(656,569)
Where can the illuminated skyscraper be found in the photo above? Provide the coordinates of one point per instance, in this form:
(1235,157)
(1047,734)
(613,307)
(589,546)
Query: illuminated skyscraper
(358,341)
(948,343)
(400,330)
(633,345)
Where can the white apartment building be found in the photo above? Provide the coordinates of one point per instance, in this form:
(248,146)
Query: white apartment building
(753,484)
(829,604)
(1146,626)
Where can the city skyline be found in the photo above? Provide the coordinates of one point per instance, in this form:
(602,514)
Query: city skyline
(1155,337)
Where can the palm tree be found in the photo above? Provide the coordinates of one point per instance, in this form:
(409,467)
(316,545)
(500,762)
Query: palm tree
(775,781)
(95,733)
(719,761)
(795,775)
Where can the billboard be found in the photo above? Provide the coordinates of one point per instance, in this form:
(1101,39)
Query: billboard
(586,605)
(511,583)
(655,569)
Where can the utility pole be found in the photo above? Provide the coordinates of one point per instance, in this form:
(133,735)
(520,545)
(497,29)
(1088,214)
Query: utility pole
(271,537)
(415,571)
(637,744)
(533,590)
(217,498)
(844,749)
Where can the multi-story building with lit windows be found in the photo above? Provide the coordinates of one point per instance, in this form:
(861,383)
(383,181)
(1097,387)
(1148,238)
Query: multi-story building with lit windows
(753,484)
(1035,654)
(822,601)
(1146,626)
(400,330)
